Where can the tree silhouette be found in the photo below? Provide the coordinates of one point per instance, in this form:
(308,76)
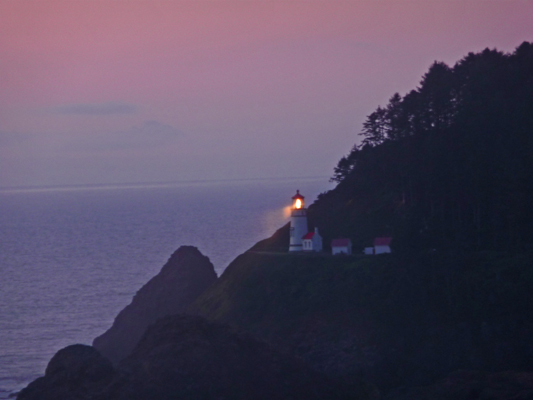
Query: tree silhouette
(450,164)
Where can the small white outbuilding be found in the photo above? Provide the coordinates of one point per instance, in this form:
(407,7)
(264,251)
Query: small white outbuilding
(341,246)
(382,245)
(368,251)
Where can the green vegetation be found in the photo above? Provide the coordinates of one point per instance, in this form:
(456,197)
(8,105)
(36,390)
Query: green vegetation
(448,165)
(392,289)
(393,319)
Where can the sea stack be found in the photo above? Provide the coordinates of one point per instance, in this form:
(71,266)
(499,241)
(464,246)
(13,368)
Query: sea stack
(185,276)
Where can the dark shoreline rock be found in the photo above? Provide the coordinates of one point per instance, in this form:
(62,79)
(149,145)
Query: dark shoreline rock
(77,372)
(188,357)
(185,276)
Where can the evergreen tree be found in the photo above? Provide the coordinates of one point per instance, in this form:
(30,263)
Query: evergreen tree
(450,164)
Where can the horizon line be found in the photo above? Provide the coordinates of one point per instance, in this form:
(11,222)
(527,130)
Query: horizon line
(138,185)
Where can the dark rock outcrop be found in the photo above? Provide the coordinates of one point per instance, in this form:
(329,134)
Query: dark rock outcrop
(468,385)
(185,276)
(187,357)
(77,372)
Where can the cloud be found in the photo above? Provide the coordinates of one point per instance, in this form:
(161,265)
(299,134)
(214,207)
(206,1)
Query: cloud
(109,108)
(148,135)
(154,129)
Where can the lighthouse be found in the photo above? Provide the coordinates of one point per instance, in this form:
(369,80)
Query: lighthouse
(298,222)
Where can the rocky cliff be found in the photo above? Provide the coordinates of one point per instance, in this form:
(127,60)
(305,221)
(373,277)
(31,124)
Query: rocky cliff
(396,320)
(402,322)
(182,279)
(187,357)
(77,372)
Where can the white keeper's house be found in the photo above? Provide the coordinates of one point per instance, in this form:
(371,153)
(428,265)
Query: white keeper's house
(312,241)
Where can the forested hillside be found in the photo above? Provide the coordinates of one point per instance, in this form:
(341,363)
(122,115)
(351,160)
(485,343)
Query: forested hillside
(447,165)
(395,320)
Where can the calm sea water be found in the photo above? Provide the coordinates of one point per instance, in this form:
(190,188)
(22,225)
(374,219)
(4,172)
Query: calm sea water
(72,258)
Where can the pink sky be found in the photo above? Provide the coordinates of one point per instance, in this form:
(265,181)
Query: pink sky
(113,91)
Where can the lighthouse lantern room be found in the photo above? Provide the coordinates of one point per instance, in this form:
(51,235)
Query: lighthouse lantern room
(298,227)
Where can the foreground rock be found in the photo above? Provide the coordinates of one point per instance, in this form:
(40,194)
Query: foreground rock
(185,276)
(467,385)
(187,357)
(75,372)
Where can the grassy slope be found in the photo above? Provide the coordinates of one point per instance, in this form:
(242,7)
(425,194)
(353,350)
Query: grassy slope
(391,318)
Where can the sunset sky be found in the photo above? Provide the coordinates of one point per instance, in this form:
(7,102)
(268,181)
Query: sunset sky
(123,91)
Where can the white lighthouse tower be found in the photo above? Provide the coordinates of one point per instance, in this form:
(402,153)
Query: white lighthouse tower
(298,222)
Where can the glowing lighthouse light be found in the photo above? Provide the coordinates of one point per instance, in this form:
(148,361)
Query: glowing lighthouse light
(298,227)
(297,201)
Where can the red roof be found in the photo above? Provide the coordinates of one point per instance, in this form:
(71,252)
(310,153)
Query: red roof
(340,243)
(309,235)
(297,195)
(382,241)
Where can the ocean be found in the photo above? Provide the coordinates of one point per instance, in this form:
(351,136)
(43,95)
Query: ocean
(72,257)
